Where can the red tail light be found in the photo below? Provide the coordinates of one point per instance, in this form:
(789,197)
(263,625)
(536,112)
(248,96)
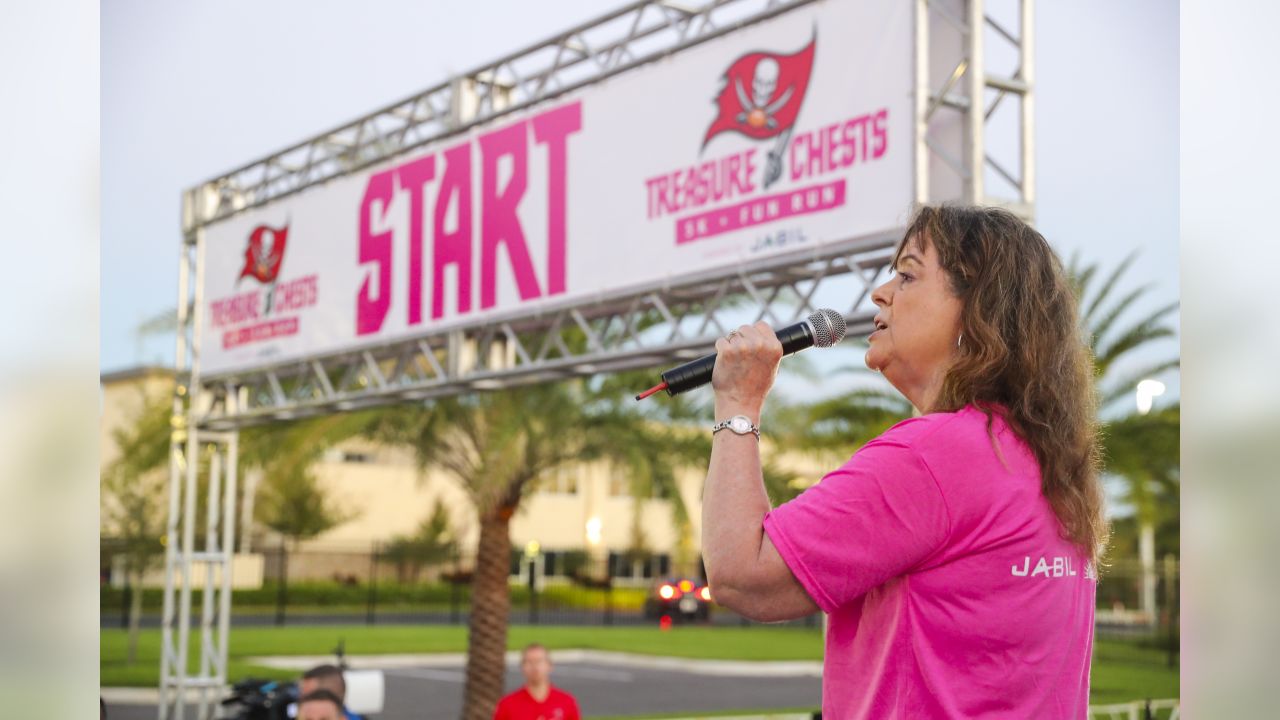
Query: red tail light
(666,592)
(705,593)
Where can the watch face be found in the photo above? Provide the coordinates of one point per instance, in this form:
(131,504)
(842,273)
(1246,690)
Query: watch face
(740,425)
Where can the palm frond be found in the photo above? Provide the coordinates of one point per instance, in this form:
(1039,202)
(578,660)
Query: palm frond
(1107,286)
(1124,387)
(850,419)
(1098,331)
(1139,334)
(1080,276)
(1144,451)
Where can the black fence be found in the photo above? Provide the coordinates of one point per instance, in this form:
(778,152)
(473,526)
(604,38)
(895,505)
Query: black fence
(381,585)
(1142,602)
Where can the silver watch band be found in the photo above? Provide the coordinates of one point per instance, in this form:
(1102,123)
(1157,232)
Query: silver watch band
(728,425)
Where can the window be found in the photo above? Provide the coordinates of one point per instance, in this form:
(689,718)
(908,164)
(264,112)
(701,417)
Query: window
(620,486)
(355,457)
(561,481)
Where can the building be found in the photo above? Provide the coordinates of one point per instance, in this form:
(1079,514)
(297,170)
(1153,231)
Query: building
(584,510)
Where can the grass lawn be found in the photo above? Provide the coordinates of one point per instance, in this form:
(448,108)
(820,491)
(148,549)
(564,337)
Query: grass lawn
(1124,672)
(740,712)
(1121,671)
(755,643)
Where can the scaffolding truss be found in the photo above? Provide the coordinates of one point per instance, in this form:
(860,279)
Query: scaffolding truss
(624,39)
(635,330)
(965,148)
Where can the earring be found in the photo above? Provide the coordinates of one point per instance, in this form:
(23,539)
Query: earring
(959,339)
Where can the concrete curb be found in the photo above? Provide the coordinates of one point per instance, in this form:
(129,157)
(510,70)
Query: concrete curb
(147,695)
(726,668)
(723,668)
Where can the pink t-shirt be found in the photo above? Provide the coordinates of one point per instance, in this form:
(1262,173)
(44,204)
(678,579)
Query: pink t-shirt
(950,591)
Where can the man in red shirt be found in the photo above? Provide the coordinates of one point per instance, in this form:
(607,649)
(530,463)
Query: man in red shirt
(537,700)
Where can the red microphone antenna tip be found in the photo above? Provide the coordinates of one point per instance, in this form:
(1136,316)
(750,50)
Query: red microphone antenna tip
(652,390)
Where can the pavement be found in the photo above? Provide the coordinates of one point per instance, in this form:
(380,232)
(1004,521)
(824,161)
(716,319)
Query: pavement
(576,617)
(429,687)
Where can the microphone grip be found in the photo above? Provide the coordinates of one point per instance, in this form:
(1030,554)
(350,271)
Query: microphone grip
(689,375)
(697,373)
(795,338)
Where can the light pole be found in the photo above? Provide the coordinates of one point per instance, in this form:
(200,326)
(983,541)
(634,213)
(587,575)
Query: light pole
(1146,392)
(532,553)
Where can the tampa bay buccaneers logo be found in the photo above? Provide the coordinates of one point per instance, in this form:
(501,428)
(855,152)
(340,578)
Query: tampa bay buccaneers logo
(264,253)
(761,98)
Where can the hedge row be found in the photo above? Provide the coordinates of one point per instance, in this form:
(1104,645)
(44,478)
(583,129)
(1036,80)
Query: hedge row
(332,594)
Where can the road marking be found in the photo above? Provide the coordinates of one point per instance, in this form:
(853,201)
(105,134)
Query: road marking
(429,674)
(587,672)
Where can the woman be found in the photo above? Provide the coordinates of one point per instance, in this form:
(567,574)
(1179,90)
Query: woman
(954,553)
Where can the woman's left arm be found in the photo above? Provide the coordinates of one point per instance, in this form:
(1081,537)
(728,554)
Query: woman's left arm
(745,570)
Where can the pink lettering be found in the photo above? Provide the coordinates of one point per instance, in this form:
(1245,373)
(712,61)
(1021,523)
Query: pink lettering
(697,185)
(501,224)
(295,294)
(652,185)
(413,176)
(838,145)
(744,180)
(502,183)
(881,133)
(552,129)
(371,307)
(855,138)
(236,309)
(794,155)
(453,247)
(829,151)
(760,210)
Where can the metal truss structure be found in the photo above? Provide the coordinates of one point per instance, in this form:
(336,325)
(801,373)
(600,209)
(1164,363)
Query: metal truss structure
(634,330)
(966,149)
(963,147)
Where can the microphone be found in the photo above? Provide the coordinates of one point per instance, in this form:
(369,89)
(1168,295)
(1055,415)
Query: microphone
(823,328)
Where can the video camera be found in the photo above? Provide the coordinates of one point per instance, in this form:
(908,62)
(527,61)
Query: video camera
(258,699)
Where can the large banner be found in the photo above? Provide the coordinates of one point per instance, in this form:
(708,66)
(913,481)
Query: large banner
(788,134)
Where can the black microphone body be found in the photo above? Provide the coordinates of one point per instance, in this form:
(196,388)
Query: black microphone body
(829,326)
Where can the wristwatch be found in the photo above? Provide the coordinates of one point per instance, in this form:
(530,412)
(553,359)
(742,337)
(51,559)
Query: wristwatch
(740,424)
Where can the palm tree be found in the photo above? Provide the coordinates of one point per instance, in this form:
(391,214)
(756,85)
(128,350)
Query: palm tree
(1140,448)
(846,420)
(434,541)
(1099,314)
(496,445)
(133,492)
(294,503)
(650,441)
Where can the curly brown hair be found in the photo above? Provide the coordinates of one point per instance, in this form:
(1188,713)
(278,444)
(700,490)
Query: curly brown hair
(1024,353)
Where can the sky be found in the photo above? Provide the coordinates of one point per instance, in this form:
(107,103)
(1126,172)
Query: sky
(191,90)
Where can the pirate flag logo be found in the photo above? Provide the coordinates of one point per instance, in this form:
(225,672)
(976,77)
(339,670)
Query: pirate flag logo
(761,98)
(265,252)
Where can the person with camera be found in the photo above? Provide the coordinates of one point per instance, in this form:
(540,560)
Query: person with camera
(330,679)
(320,704)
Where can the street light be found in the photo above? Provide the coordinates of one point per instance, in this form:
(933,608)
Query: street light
(1148,390)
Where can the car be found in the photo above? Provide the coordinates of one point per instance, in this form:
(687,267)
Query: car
(678,599)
